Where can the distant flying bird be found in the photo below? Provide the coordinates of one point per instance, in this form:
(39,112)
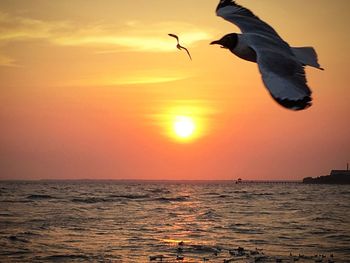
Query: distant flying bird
(281,66)
(179,46)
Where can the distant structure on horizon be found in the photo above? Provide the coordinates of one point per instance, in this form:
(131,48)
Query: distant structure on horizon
(335,177)
(239,181)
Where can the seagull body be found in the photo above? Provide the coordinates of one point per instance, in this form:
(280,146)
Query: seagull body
(281,66)
(179,47)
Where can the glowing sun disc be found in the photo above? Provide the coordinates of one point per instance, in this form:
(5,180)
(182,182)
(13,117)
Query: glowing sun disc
(184,126)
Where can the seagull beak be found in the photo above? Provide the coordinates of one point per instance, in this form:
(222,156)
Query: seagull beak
(217,42)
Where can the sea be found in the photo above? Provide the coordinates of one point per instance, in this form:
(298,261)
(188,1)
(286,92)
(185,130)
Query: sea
(173,221)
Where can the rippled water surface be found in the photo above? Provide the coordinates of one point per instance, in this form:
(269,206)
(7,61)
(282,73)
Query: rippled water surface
(111,221)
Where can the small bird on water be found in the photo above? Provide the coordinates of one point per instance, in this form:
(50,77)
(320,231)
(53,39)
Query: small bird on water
(179,46)
(281,66)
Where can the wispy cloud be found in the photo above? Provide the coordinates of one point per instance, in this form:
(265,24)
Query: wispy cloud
(14,28)
(131,36)
(134,80)
(135,36)
(7,61)
(154,76)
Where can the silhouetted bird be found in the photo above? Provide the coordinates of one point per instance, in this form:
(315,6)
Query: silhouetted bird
(281,66)
(179,46)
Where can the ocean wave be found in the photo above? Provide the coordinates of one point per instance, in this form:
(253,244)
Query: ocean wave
(257,241)
(263,194)
(211,193)
(90,200)
(17,239)
(29,233)
(246,229)
(109,198)
(224,196)
(5,214)
(16,201)
(63,257)
(239,192)
(159,190)
(172,199)
(209,215)
(129,196)
(40,196)
(342,237)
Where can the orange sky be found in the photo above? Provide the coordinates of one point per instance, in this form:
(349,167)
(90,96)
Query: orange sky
(91,89)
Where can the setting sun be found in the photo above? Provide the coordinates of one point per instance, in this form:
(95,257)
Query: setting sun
(185,121)
(184,126)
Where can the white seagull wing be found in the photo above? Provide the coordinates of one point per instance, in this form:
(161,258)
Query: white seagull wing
(282,73)
(285,79)
(243,18)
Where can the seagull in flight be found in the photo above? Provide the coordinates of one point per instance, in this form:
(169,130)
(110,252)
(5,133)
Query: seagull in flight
(179,46)
(281,66)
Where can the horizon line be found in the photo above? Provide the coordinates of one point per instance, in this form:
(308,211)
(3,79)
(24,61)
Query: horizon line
(151,180)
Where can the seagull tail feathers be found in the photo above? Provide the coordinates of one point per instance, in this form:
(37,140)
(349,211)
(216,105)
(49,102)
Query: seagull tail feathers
(307,56)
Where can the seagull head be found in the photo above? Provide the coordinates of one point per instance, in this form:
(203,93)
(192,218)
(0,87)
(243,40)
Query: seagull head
(228,41)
